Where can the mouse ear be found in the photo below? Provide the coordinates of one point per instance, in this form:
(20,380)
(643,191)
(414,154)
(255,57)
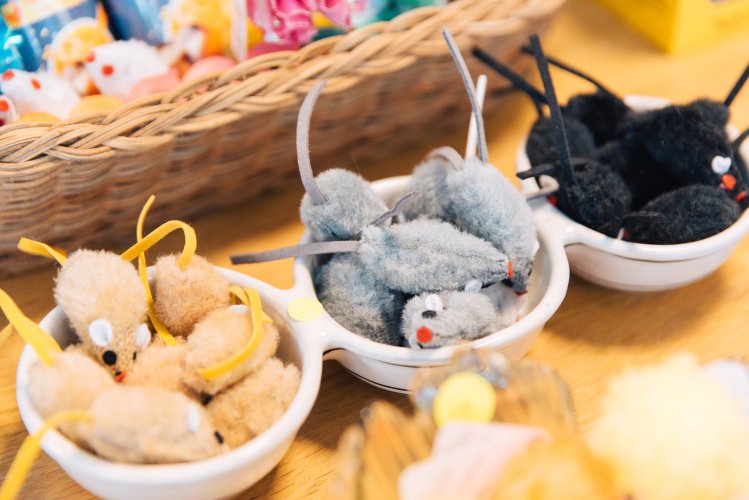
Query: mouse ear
(142,336)
(193,418)
(396,208)
(302,145)
(736,87)
(449,155)
(537,97)
(473,286)
(468,82)
(569,69)
(317,248)
(560,136)
(100,332)
(433,302)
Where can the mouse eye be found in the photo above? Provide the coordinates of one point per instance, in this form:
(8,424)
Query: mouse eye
(721,164)
(429,314)
(135,356)
(218,437)
(109,357)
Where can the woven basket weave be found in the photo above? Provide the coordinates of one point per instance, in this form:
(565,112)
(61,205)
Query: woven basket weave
(223,138)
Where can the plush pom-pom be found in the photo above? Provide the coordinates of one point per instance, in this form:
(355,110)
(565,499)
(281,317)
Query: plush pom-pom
(429,179)
(686,214)
(599,201)
(601,112)
(350,205)
(182,298)
(216,338)
(251,406)
(672,432)
(159,366)
(540,147)
(353,297)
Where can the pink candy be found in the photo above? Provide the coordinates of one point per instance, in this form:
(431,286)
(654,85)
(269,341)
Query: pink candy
(153,85)
(209,65)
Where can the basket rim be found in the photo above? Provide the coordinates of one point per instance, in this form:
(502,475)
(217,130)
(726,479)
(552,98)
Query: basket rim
(265,82)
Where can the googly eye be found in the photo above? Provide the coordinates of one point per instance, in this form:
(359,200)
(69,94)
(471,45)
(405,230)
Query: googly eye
(101,333)
(721,164)
(433,303)
(193,418)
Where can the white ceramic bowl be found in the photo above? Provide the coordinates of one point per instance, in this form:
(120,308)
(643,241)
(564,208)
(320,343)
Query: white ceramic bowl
(623,265)
(217,477)
(391,367)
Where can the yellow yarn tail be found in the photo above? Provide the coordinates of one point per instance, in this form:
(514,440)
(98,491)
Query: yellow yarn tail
(32,247)
(161,330)
(252,300)
(158,234)
(30,449)
(45,346)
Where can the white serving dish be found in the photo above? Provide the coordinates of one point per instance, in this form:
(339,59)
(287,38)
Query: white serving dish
(218,477)
(306,344)
(623,265)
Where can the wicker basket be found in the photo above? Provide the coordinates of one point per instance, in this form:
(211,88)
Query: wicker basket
(223,138)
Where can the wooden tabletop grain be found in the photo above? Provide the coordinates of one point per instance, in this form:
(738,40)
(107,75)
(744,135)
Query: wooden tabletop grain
(595,332)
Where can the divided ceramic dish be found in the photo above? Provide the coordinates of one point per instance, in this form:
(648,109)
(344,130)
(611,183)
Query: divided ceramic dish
(306,343)
(623,265)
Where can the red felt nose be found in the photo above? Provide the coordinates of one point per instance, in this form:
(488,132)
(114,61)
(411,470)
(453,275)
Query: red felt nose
(8,75)
(4,106)
(120,377)
(423,335)
(729,181)
(509,270)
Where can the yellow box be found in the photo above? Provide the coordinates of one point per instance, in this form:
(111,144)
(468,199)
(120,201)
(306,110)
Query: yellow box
(681,25)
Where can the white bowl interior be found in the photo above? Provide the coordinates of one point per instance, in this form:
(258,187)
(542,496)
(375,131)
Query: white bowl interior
(217,477)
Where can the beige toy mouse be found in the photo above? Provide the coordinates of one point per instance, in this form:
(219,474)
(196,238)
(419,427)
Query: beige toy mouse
(150,425)
(184,297)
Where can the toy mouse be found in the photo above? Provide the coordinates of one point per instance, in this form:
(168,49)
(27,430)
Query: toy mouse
(252,405)
(685,214)
(169,427)
(39,92)
(360,302)
(337,203)
(448,318)
(116,67)
(591,193)
(184,297)
(415,257)
(103,298)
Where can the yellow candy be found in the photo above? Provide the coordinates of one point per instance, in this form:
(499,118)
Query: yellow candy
(305,309)
(95,103)
(36,117)
(464,396)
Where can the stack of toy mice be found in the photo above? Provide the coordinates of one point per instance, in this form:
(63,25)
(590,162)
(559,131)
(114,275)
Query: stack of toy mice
(209,381)
(661,176)
(445,265)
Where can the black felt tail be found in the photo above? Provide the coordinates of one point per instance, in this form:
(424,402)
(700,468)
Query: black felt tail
(737,87)
(569,69)
(560,136)
(514,78)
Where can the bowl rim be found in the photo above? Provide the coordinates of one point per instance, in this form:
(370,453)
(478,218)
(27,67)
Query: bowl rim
(532,321)
(574,233)
(72,457)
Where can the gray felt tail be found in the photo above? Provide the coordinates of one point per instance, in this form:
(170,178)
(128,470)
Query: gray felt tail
(396,208)
(471,89)
(302,145)
(318,248)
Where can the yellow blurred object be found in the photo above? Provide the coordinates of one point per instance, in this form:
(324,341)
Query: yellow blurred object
(562,469)
(37,118)
(213,18)
(320,21)
(74,42)
(682,25)
(95,103)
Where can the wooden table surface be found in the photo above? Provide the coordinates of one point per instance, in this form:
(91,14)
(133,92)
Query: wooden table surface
(596,331)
